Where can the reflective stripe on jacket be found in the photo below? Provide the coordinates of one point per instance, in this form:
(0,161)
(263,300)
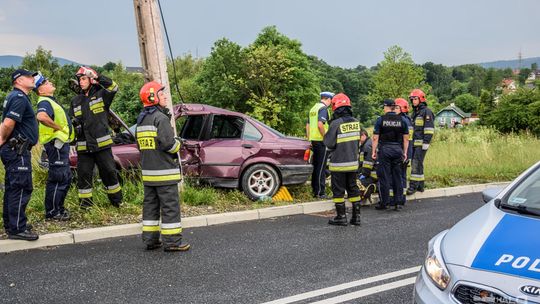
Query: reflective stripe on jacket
(159,147)
(342,139)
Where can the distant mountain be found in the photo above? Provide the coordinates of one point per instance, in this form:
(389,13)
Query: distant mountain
(7,61)
(513,64)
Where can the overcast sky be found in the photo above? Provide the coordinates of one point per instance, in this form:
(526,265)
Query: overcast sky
(346,33)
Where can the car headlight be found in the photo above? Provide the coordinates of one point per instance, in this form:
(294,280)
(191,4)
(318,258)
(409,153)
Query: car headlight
(436,271)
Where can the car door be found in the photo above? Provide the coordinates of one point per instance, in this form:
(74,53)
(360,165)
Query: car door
(223,151)
(191,129)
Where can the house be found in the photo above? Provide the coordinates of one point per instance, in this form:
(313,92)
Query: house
(508,85)
(452,117)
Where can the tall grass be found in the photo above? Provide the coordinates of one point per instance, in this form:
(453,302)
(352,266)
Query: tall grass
(477,155)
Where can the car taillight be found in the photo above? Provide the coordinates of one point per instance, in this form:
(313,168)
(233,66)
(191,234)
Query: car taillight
(307,154)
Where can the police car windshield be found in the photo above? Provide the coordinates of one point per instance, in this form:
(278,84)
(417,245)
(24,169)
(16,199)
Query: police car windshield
(526,196)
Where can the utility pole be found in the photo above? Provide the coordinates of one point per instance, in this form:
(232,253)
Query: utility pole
(154,61)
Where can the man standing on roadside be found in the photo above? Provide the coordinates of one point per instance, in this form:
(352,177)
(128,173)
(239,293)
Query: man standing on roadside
(55,133)
(90,110)
(316,127)
(390,143)
(160,172)
(424,128)
(18,134)
(342,139)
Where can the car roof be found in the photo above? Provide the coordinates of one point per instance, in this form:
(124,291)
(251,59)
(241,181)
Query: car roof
(201,109)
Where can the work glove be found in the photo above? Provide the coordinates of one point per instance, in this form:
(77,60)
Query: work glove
(425,147)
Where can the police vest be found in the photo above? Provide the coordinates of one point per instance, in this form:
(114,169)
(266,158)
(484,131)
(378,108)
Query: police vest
(314,134)
(391,129)
(46,134)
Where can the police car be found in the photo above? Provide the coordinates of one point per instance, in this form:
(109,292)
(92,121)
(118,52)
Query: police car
(492,255)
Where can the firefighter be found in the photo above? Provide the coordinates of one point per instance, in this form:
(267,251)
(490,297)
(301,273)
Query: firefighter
(390,143)
(424,128)
(89,111)
(368,167)
(160,171)
(316,127)
(55,133)
(342,140)
(402,108)
(18,133)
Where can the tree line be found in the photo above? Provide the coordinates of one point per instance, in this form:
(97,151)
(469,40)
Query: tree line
(273,80)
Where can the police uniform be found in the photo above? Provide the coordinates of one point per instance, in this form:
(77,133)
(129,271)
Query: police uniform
(93,141)
(160,175)
(390,128)
(56,144)
(424,128)
(318,112)
(342,139)
(15,154)
(368,169)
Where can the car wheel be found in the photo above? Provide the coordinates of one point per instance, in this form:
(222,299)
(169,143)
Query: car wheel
(260,181)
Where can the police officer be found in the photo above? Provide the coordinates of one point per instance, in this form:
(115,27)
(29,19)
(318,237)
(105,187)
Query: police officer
(18,133)
(55,133)
(390,143)
(424,128)
(402,108)
(89,111)
(368,167)
(316,128)
(160,171)
(342,139)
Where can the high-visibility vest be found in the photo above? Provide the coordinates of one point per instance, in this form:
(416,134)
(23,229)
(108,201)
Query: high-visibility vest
(314,133)
(46,134)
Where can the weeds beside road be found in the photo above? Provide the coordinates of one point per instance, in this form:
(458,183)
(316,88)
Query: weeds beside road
(456,157)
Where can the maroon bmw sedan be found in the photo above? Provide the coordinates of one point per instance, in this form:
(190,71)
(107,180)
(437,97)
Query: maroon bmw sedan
(226,149)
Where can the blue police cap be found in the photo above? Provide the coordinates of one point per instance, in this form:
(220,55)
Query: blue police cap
(389,103)
(21,72)
(39,79)
(327,94)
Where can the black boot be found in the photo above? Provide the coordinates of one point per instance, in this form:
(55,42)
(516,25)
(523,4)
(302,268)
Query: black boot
(341,217)
(355,217)
(411,191)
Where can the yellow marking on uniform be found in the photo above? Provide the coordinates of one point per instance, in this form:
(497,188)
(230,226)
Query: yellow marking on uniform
(146,143)
(350,127)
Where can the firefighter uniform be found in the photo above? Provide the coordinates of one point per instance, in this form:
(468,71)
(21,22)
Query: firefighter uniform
(15,155)
(342,139)
(89,112)
(318,113)
(160,174)
(368,170)
(405,164)
(390,129)
(56,144)
(424,128)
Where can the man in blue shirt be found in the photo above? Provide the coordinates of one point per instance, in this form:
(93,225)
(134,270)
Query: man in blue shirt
(18,133)
(391,137)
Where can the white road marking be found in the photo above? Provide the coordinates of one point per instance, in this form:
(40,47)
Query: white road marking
(367,291)
(323,291)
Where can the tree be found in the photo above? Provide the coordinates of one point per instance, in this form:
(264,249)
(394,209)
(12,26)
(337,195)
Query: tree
(440,78)
(187,70)
(397,75)
(467,102)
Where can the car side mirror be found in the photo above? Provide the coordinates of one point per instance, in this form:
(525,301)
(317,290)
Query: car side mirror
(491,193)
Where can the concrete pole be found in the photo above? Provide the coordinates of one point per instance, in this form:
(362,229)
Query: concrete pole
(154,61)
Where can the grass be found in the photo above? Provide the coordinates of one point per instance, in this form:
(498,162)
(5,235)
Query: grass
(456,157)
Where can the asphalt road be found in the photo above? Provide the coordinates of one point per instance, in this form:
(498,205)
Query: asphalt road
(251,262)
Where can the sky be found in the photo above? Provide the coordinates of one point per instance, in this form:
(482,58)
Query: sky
(344,33)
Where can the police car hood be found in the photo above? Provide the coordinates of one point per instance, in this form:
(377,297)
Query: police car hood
(490,239)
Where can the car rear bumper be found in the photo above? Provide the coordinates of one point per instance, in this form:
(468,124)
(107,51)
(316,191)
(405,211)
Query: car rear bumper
(295,174)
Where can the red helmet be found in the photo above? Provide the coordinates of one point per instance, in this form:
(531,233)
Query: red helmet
(149,93)
(88,72)
(340,100)
(403,105)
(418,93)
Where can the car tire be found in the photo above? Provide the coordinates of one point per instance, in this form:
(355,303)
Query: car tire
(260,181)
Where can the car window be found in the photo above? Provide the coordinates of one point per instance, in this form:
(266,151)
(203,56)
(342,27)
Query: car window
(227,127)
(271,129)
(251,133)
(527,193)
(191,126)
